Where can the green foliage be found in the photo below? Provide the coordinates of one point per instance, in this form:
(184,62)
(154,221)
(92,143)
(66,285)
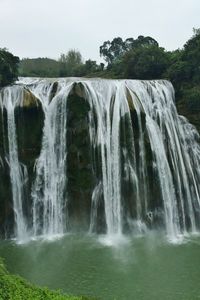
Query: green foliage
(15,288)
(39,67)
(71,63)
(145,62)
(8,67)
(191,56)
(178,72)
(191,97)
(184,67)
(184,72)
(185,76)
(111,51)
(90,66)
(114,50)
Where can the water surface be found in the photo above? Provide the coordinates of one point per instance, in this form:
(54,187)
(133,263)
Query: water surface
(141,268)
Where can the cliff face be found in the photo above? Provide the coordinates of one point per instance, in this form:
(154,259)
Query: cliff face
(80,172)
(29,121)
(190,111)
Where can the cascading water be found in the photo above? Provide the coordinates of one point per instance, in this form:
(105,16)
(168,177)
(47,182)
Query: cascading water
(49,188)
(146,158)
(108,120)
(108,102)
(10,98)
(172,160)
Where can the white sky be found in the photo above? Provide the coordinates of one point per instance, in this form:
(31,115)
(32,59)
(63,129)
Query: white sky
(47,28)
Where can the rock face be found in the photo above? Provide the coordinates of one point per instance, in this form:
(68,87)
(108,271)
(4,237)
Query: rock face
(29,119)
(80,173)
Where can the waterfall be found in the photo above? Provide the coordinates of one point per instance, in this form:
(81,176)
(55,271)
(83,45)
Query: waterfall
(49,189)
(144,158)
(168,143)
(109,104)
(11,97)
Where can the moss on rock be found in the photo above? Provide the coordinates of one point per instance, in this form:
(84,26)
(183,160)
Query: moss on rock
(29,100)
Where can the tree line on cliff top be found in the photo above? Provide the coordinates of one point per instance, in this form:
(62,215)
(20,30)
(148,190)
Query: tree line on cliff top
(140,58)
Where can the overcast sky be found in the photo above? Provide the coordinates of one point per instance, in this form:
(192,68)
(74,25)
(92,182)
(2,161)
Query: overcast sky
(47,28)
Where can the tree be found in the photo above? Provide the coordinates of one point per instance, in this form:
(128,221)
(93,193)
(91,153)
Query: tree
(90,66)
(70,63)
(191,55)
(184,68)
(8,67)
(141,41)
(145,62)
(111,51)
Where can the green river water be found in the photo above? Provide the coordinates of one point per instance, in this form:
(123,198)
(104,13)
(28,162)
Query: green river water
(138,268)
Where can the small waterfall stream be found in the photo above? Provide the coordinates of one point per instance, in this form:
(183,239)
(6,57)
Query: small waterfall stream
(148,158)
(11,97)
(106,103)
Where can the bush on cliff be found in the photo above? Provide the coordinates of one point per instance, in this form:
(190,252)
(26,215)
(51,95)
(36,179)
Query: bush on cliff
(8,67)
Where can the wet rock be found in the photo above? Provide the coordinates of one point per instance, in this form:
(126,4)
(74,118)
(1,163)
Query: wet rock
(29,120)
(81,178)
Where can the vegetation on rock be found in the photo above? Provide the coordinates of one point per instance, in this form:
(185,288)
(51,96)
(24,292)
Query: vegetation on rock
(8,67)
